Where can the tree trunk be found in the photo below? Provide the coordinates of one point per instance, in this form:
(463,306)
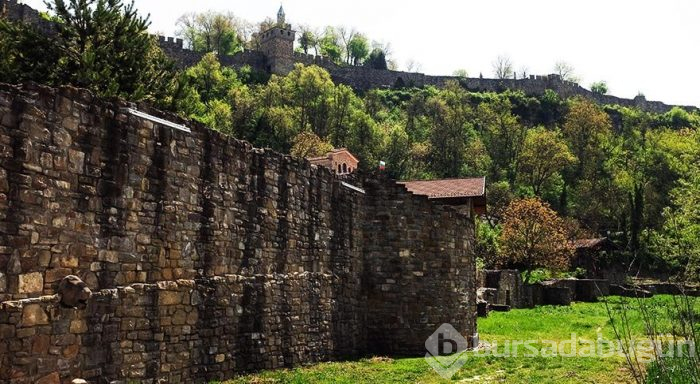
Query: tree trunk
(636,217)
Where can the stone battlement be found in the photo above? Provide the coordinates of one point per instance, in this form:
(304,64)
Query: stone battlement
(162,40)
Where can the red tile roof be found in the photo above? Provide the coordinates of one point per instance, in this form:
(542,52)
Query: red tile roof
(446,188)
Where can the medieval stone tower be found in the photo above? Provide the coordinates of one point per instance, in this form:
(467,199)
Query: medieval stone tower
(277,44)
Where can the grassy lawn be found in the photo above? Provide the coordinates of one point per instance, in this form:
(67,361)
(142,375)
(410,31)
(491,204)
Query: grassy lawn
(541,324)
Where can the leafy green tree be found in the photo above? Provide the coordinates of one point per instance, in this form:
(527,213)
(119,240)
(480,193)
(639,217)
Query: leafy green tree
(450,115)
(586,128)
(376,59)
(212,32)
(102,45)
(26,54)
(503,135)
(461,73)
(396,150)
(330,45)
(365,140)
(599,87)
(678,241)
(544,155)
(215,92)
(680,118)
(218,116)
(307,144)
(210,79)
(358,49)
(308,40)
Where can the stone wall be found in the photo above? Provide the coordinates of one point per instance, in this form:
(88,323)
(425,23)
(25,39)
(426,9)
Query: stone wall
(16,10)
(208,257)
(508,284)
(407,257)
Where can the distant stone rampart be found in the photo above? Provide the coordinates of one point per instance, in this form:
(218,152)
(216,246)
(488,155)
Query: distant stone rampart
(363,78)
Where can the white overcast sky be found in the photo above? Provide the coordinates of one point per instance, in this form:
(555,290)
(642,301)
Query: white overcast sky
(648,46)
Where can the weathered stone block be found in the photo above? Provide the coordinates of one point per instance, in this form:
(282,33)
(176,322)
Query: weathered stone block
(31,283)
(78,326)
(34,314)
(53,378)
(169,298)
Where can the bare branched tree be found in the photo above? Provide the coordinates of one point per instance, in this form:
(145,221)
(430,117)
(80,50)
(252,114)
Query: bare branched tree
(346,34)
(566,71)
(503,67)
(413,66)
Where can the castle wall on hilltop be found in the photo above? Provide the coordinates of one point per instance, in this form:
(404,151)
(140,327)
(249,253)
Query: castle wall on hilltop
(207,257)
(364,79)
(280,59)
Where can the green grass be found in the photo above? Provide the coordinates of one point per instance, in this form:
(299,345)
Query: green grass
(587,320)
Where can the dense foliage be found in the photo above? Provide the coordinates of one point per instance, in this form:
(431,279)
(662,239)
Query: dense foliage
(533,236)
(102,45)
(615,171)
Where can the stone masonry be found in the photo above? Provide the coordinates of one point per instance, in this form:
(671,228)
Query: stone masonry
(206,257)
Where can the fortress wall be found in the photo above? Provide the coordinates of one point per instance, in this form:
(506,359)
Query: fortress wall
(208,257)
(180,331)
(115,199)
(408,256)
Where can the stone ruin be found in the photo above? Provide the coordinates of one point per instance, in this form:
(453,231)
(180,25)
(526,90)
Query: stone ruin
(134,252)
(503,290)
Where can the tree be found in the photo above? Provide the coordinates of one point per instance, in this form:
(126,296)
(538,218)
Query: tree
(544,155)
(212,32)
(586,127)
(565,71)
(346,35)
(358,49)
(213,86)
(461,73)
(503,135)
(599,87)
(413,66)
(376,59)
(450,115)
(678,241)
(533,236)
(104,45)
(308,40)
(330,45)
(26,54)
(256,37)
(503,67)
(307,144)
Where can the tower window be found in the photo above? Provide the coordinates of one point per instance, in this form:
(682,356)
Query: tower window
(339,168)
(345,168)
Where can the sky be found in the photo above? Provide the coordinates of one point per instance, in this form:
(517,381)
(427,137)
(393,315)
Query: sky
(637,46)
